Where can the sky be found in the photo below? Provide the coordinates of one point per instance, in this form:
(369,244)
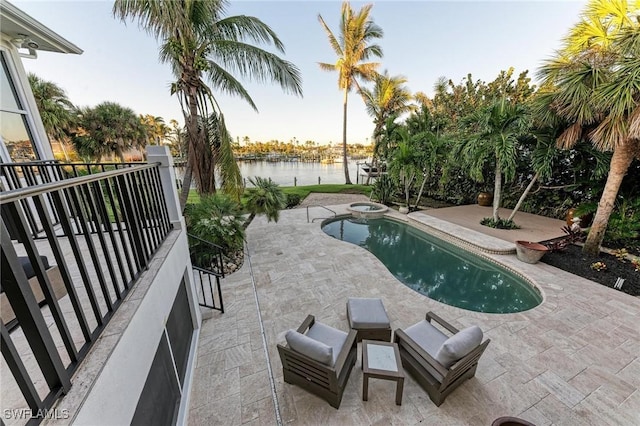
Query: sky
(423,40)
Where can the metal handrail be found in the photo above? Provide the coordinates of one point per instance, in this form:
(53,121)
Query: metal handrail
(210,273)
(21,193)
(318,205)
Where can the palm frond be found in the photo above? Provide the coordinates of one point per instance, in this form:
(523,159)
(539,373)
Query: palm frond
(570,136)
(610,134)
(225,81)
(634,124)
(327,67)
(227,167)
(257,64)
(333,41)
(243,28)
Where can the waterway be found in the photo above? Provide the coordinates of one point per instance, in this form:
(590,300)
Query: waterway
(298,173)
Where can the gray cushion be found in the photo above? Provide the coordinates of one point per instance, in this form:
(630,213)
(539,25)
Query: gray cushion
(366,313)
(329,336)
(459,345)
(427,336)
(307,346)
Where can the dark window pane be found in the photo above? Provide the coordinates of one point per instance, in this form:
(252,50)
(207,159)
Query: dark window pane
(160,399)
(8,96)
(16,137)
(180,330)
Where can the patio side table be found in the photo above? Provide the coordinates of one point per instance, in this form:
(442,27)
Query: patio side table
(381,360)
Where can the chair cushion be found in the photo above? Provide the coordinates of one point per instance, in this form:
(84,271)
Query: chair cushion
(366,313)
(459,345)
(329,336)
(427,336)
(305,345)
(28,268)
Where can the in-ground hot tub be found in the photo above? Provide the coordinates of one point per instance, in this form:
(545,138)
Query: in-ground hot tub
(367,210)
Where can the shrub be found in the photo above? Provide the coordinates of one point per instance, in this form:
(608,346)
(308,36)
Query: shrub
(293,200)
(383,189)
(215,219)
(499,224)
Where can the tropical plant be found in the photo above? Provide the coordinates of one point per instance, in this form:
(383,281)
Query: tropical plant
(108,128)
(389,97)
(292,200)
(157,130)
(594,84)
(266,198)
(405,163)
(499,224)
(543,155)
(56,110)
(493,138)
(352,48)
(432,153)
(197,40)
(216,219)
(383,189)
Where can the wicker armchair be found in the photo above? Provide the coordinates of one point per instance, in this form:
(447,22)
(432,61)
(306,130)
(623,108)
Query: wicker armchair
(421,344)
(324,379)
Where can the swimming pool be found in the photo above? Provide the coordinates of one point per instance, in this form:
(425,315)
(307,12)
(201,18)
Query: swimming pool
(435,268)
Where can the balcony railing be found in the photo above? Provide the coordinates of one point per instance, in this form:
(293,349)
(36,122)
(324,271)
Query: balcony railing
(28,174)
(71,250)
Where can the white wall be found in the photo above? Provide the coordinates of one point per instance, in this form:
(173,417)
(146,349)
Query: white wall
(19,74)
(107,386)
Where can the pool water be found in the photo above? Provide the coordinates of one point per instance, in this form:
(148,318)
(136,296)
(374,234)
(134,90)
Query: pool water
(435,268)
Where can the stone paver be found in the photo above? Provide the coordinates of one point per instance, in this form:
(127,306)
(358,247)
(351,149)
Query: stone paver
(573,360)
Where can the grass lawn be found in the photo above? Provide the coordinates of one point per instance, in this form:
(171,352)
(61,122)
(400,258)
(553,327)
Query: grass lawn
(303,191)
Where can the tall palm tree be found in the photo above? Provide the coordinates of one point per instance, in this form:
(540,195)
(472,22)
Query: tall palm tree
(353,48)
(388,97)
(593,83)
(56,110)
(199,41)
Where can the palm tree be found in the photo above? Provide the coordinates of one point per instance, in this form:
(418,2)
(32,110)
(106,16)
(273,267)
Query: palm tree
(56,110)
(199,41)
(494,137)
(593,83)
(109,128)
(543,156)
(264,198)
(389,97)
(357,30)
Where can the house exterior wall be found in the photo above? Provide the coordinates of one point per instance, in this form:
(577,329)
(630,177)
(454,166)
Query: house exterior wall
(108,384)
(21,82)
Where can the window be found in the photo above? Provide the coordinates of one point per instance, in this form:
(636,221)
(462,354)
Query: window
(14,128)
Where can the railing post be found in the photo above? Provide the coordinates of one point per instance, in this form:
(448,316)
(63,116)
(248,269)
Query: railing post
(162,155)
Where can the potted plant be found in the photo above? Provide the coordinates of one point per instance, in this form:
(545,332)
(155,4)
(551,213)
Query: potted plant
(530,252)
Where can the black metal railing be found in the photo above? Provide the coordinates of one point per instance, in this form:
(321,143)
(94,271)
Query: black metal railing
(208,269)
(23,175)
(97,235)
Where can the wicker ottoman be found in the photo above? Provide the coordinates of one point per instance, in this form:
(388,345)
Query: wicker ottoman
(368,317)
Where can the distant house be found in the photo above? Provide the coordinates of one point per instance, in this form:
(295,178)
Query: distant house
(22,135)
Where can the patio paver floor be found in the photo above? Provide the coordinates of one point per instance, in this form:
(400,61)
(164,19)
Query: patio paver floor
(573,360)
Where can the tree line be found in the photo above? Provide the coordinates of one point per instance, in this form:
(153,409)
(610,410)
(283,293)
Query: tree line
(103,131)
(577,134)
(578,131)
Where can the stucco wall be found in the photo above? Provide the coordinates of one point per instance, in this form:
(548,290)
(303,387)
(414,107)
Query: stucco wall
(107,386)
